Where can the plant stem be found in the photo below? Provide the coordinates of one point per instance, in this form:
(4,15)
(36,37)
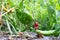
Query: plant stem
(9,27)
(14,29)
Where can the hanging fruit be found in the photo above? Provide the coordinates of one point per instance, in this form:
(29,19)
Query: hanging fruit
(36,25)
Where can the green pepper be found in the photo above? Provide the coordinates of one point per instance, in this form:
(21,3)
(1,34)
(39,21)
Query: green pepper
(45,32)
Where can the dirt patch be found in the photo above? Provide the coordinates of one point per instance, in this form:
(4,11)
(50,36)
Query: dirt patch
(26,36)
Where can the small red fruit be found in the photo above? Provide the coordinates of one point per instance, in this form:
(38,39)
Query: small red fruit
(36,25)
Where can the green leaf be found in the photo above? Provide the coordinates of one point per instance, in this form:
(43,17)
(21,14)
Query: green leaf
(59,2)
(57,7)
(51,17)
(24,16)
(11,3)
(21,6)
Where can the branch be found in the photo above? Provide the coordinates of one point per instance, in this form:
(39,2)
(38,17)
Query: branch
(1,13)
(8,11)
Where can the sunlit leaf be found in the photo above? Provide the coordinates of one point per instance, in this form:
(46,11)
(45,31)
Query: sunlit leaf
(57,7)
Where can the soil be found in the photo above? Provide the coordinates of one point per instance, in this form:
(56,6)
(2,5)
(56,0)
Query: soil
(26,36)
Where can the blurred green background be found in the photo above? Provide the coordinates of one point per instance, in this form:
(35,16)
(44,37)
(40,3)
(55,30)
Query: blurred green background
(45,12)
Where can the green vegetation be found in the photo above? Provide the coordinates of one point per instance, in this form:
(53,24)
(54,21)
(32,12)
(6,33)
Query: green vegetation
(20,15)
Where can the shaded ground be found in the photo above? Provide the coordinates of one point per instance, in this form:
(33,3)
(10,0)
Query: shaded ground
(26,36)
(16,38)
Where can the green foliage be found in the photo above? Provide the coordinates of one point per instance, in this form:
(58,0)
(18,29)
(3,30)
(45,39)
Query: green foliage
(45,12)
(51,17)
(59,2)
(24,16)
(10,3)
